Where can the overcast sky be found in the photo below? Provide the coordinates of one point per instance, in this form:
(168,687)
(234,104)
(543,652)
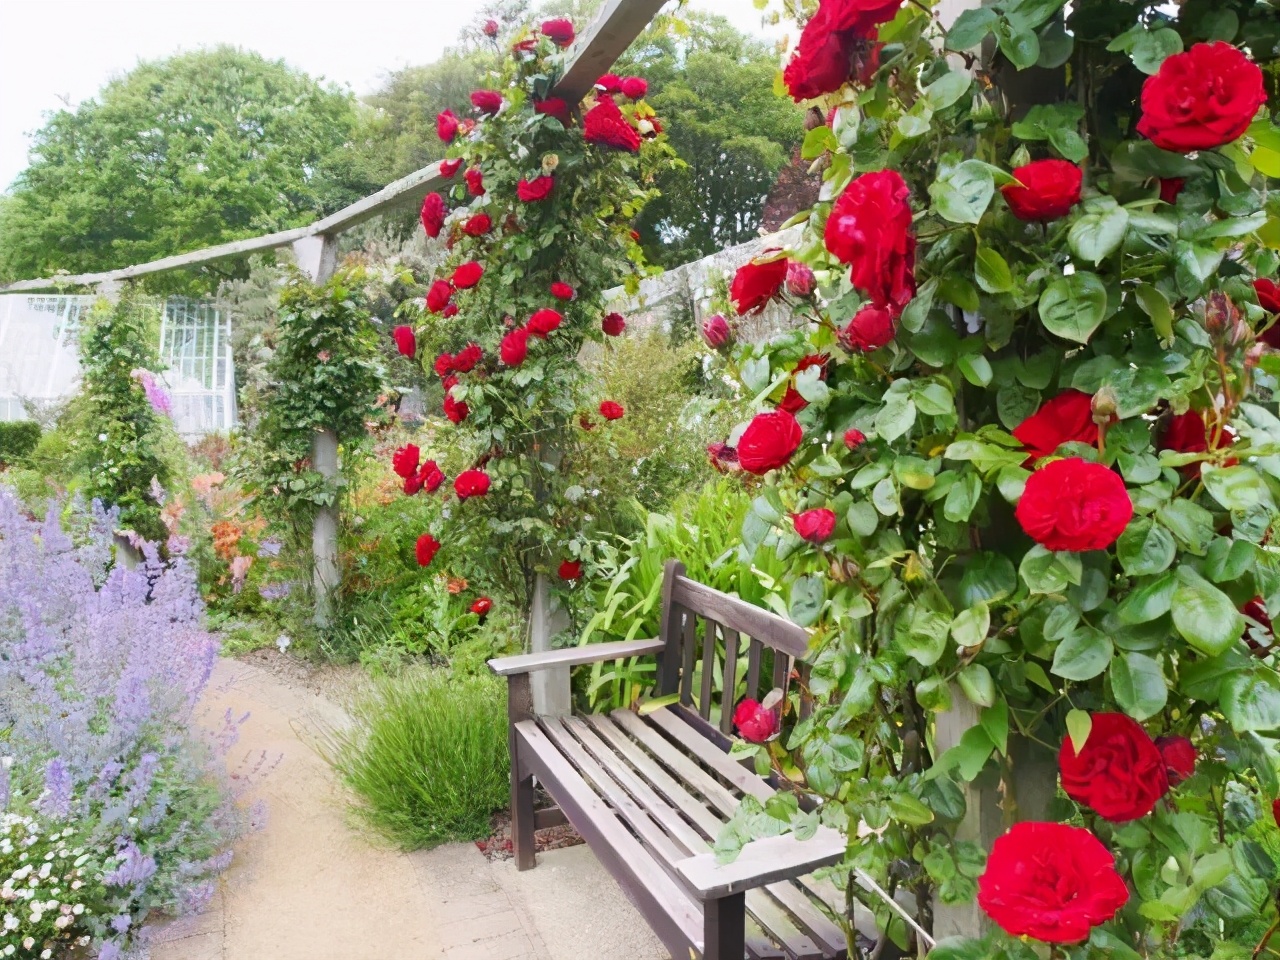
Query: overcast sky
(60,51)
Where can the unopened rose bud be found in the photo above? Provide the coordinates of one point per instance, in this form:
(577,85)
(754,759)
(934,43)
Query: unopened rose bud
(549,164)
(1253,354)
(1021,157)
(854,438)
(836,571)
(813,119)
(715,330)
(1104,406)
(851,569)
(799,279)
(491,28)
(1217,313)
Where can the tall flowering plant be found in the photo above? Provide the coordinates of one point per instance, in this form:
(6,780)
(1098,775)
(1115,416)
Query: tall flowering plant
(538,222)
(1021,457)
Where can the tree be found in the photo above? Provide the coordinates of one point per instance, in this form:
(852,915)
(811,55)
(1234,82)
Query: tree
(184,153)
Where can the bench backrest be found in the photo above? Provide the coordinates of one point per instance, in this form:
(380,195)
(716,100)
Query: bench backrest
(705,628)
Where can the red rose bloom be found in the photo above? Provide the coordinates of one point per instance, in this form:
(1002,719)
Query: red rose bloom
(543,322)
(791,401)
(1066,418)
(1074,505)
(406,341)
(1050,881)
(448,383)
(829,43)
(471,483)
(467,358)
(769,441)
(446,126)
(870,229)
(490,28)
(570,569)
(405,460)
(609,83)
(1170,187)
(562,291)
(481,607)
(438,295)
(611,411)
(613,324)
(514,347)
(427,548)
(854,438)
(1275,811)
(870,329)
(444,365)
(559,30)
(433,214)
(1201,99)
(412,485)
(450,310)
(1188,433)
(634,88)
(467,275)
(799,278)
(1269,299)
(430,476)
(754,722)
(487,101)
(1119,774)
(475,181)
(1179,758)
(539,188)
(477,226)
(723,458)
(716,332)
(455,410)
(449,168)
(1046,190)
(605,124)
(815,526)
(554,107)
(525,46)
(755,284)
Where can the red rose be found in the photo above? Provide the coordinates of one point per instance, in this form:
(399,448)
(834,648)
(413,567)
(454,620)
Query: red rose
(444,365)
(405,460)
(1275,811)
(475,181)
(570,569)
(815,526)
(791,401)
(433,214)
(1066,418)
(870,329)
(609,83)
(611,411)
(634,88)
(514,347)
(455,410)
(1074,505)
(477,226)
(559,30)
(430,476)
(754,722)
(854,438)
(1046,190)
(471,483)
(448,383)
(1269,299)
(554,107)
(412,484)
(543,322)
(562,291)
(769,441)
(490,28)
(723,458)
(829,43)
(450,310)
(1170,187)
(799,278)
(1201,99)
(426,549)
(1256,610)
(1179,758)
(525,46)
(446,126)
(438,295)
(448,168)
(613,324)
(531,191)
(481,607)
(406,341)
(605,124)
(1050,881)
(1120,774)
(467,275)
(1188,433)
(715,330)
(487,101)
(756,283)
(870,229)
(467,358)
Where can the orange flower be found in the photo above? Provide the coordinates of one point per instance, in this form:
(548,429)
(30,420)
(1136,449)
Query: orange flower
(226,539)
(457,585)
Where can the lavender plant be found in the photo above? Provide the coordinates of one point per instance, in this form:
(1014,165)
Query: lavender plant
(100,669)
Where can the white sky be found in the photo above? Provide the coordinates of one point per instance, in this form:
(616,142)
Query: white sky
(58,51)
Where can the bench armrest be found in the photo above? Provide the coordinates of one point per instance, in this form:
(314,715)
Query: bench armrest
(573,656)
(761,863)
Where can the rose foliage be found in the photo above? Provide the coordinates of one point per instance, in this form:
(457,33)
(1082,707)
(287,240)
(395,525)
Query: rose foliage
(1034,302)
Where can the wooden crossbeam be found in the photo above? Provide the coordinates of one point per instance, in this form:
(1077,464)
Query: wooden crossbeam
(596,48)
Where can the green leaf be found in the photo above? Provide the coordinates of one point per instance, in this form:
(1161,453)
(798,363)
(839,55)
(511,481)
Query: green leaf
(947,89)
(1149,601)
(921,630)
(897,415)
(976,369)
(975,680)
(992,271)
(863,519)
(971,626)
(818,141)
(1099,229)
(1019,45)
(1152,48)
(1251,700)
(1156,306)
(1046,572)
(964,192)
(970,28)
(1144,548)
(1073,307)
(907,809)
(807,596)
(1079,724)
(1138,685)
(1083,655)
(1189,522)
(1204,615)
(1236,488)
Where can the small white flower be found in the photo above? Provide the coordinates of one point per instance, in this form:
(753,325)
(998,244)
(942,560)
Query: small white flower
(102,438)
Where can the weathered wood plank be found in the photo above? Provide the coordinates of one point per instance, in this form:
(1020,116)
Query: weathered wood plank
(765,625)
(762,862)
(688,655)
(523,819)
(676,760)
(728,692)
(708,669)
(711,755)
(669,632)
(573,656)
(754,654)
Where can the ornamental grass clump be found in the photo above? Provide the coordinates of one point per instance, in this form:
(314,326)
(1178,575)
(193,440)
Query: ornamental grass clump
(100,669)
(1020,458)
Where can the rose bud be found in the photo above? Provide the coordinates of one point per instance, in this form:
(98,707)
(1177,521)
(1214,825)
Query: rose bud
(799,279)
(755,723)
(481,607)
(716,332)
(814,526)
(549,164)
(491,28)
(1179,757)
(1103,406)
(854,438)
(1253,355)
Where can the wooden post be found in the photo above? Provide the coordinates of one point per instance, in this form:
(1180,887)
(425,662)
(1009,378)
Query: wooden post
(317,257)
(550,687)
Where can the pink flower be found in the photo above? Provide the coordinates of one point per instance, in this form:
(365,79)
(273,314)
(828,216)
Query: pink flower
(716,332)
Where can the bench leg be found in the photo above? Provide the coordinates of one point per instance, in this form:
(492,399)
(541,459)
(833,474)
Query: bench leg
(724,928)
(520,707)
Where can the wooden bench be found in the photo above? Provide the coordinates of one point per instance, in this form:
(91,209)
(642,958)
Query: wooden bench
(650,793)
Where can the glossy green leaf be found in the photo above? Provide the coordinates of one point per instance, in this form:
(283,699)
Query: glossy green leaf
(1073,307)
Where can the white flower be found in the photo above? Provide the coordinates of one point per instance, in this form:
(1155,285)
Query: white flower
(102,438)
(45,955)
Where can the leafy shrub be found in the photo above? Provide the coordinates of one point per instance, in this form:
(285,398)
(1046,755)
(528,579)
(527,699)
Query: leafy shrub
(427,755)
(17,439)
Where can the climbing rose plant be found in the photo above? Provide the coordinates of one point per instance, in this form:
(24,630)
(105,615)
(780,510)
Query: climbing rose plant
(538,221)
(1020,451)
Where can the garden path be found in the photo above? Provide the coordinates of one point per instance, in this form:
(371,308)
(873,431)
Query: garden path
(310,885)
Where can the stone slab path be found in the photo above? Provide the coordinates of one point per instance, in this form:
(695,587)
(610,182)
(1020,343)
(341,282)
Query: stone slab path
(312,885)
